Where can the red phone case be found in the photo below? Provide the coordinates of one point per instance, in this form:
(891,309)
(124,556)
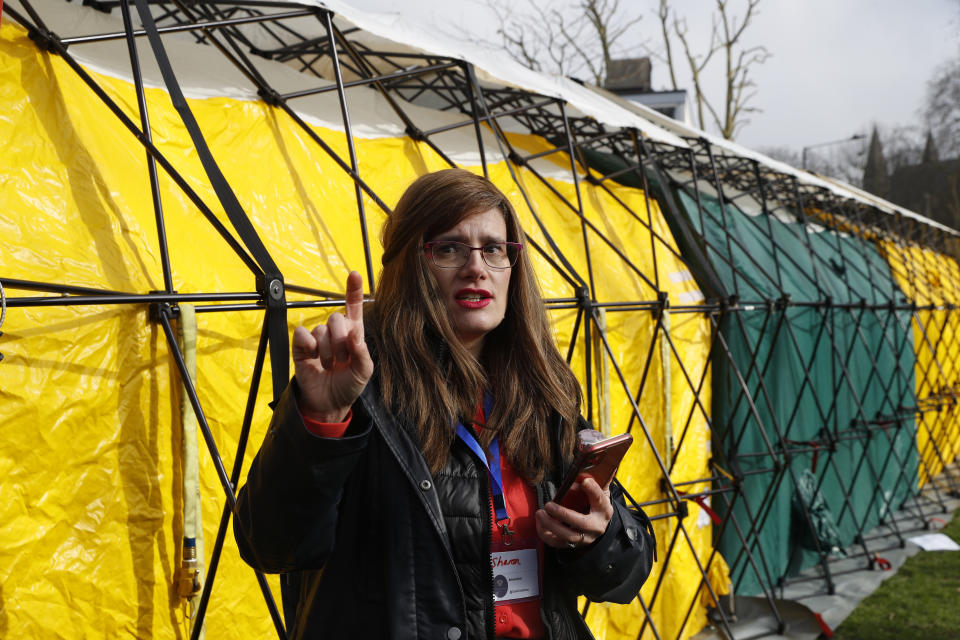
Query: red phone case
(599,461)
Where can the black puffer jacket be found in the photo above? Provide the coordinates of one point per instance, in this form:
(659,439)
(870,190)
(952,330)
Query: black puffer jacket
(357,527)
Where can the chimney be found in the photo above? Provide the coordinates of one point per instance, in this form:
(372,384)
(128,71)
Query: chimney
(630,74)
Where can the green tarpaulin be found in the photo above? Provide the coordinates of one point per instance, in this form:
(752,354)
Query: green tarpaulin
(809,374)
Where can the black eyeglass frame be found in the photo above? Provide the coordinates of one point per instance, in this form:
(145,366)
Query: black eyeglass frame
(428,247)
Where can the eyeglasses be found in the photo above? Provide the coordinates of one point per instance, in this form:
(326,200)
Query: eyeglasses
(448,254)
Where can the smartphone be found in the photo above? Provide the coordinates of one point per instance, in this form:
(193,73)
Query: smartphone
(598,460)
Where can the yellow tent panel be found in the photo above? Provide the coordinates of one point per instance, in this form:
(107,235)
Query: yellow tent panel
(91,502)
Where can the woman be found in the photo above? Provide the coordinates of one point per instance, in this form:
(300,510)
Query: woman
(411,498)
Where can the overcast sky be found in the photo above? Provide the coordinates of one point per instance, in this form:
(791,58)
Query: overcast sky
(837,66)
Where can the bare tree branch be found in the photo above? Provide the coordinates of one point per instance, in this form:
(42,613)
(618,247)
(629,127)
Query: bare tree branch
(574,39)
(664,15)
(697,64)
(513,35)
(942,108)
(542,35)
(737,68)
(602,14)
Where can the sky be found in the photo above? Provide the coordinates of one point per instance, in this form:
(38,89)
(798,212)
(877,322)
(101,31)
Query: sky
(837,67)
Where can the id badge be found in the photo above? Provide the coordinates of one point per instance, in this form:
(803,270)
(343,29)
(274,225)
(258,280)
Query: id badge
(516,571)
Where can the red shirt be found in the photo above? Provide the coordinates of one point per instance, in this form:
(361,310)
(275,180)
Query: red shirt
(512,620)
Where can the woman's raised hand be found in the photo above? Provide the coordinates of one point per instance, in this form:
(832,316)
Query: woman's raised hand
(332,363)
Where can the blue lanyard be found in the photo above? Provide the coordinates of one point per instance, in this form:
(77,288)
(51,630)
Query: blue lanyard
(493,470)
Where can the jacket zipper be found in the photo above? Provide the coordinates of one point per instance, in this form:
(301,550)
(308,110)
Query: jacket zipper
(488,523)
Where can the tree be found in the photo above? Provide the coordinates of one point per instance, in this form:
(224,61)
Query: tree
(844,161)
(888,149)
(942,109)
(725,38)
(543,36)
(584,37)
(902,146)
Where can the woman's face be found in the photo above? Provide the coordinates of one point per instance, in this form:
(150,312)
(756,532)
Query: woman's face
(474,295)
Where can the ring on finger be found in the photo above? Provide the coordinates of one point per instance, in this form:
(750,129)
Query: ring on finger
(574,545)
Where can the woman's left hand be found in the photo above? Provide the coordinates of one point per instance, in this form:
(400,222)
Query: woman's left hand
(565,528)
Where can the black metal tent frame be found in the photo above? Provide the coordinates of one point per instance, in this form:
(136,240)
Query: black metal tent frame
(737,178)
(452,85)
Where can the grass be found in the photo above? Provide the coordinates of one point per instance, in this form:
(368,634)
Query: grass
(922,601)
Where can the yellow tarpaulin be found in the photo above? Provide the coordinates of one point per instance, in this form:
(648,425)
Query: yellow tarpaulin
(932,279)
(91,503)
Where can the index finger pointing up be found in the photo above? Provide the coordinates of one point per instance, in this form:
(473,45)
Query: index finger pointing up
(354,298)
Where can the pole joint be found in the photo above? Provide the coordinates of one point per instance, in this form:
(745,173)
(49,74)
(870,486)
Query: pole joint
(270,95)
(47,40)
(161,310)
(271,289)
(583,299)
(415,133)
(516,158)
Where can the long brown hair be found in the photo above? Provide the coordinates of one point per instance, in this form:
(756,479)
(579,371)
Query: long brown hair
(427,375)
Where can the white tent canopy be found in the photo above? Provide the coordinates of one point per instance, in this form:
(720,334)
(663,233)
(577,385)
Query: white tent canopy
(372,117)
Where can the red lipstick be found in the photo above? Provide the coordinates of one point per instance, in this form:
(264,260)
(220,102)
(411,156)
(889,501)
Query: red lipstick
(473,298)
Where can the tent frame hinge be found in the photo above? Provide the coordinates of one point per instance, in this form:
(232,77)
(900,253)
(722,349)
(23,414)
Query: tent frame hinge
(161,310)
